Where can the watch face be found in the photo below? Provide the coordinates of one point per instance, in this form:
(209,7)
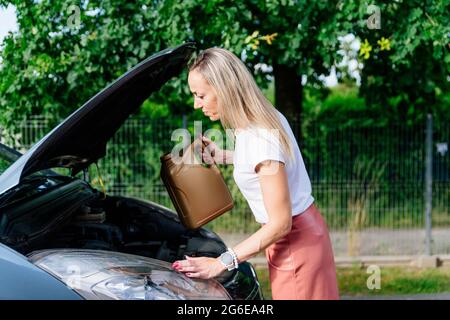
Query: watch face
(226,258)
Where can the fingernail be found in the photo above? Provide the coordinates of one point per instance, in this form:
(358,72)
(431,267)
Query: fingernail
(188,274)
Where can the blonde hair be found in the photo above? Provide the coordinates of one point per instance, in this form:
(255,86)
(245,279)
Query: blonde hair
(240,102)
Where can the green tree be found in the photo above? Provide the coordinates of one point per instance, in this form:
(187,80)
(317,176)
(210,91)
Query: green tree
(53,63)
(57,59)
(296,38)
(406,60)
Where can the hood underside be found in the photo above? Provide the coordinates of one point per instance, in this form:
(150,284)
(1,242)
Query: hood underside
(82,137)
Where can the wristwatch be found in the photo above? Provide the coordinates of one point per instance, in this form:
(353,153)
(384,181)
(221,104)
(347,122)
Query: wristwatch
(229,259)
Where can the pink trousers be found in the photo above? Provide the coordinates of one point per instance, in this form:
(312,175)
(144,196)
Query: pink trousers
(301,264)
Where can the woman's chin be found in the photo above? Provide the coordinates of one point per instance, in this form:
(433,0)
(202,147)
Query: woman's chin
(212,117)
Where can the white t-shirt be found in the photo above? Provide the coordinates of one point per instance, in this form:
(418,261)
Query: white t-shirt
(254,145)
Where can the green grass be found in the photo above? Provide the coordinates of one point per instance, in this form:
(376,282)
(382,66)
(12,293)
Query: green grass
(394,281)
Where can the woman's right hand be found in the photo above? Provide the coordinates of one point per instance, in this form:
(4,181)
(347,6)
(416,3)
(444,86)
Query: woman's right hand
(212,153)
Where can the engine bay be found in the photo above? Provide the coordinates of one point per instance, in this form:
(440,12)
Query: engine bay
(136,227)
(75,216)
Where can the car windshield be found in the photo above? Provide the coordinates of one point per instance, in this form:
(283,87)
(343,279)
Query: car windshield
(32,184)
(7,157)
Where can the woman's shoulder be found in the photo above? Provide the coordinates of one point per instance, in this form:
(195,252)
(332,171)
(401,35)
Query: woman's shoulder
(258,135)
(255,130)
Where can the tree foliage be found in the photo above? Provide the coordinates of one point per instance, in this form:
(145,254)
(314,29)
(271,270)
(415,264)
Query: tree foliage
(52,64)
(56,61)
(406,61)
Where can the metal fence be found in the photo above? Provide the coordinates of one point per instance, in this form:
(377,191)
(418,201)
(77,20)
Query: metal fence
(368,181)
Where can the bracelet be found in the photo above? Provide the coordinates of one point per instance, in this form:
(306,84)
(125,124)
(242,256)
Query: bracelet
(235,259)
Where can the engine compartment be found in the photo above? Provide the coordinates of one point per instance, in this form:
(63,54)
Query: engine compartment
(73,215)
(136,227)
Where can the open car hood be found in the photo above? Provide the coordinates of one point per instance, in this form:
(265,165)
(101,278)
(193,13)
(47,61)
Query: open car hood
(81,138)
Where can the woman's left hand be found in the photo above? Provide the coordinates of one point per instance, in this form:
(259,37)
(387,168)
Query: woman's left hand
(201,267)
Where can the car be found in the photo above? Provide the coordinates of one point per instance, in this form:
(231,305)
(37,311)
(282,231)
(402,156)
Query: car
(60,238)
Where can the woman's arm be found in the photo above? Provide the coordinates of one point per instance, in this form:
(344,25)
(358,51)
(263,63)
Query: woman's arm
(226,156)
(221,156)
(275,191)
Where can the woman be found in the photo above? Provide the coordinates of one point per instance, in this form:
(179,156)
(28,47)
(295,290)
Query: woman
(270,173)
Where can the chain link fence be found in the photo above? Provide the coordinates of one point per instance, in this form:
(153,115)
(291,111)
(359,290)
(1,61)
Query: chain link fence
(368,181)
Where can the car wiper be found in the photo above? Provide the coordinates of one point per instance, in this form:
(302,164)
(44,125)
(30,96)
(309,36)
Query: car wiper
(9,154)
(28,183)
(16,190)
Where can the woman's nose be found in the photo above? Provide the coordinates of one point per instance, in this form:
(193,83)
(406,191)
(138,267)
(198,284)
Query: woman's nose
(197,106)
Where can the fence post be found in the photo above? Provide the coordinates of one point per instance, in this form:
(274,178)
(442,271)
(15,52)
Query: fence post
(184,121)
(428,182)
